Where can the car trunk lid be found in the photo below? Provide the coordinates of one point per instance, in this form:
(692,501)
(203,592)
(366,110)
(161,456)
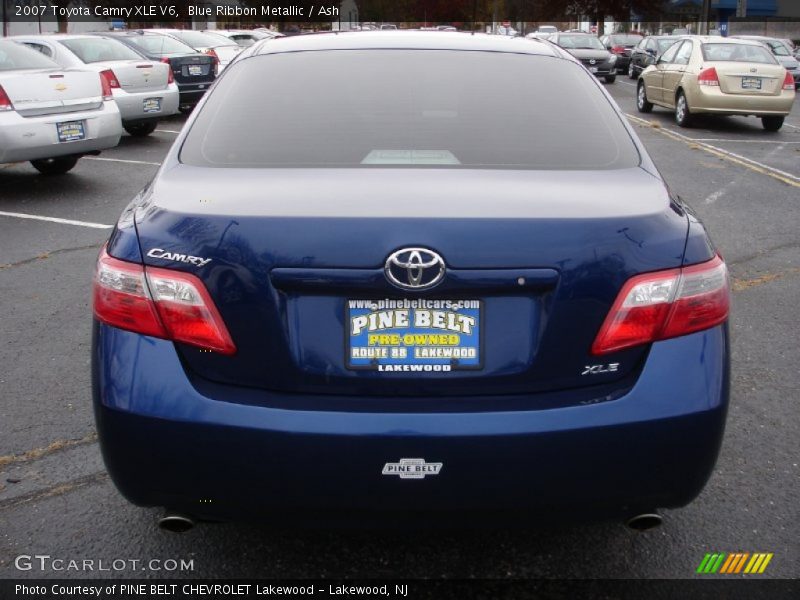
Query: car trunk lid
(138,75)
(543,253)
(748,78)
(46,92)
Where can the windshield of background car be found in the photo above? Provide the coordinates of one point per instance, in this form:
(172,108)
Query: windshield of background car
(665,43)
(204,40)
(580,42)
(408,108)
(626,40)
(160,44)
(97,49)
(778,49)
(14,56)
(723,52)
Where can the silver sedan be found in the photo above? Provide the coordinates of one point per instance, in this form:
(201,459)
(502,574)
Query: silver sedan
(144,90)
(49,115)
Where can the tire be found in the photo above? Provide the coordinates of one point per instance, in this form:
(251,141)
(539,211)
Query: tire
(55,166)
(772,123)
(186,109)
(631,72)
(611,78)
(641,99)
(140,128)
(683,116)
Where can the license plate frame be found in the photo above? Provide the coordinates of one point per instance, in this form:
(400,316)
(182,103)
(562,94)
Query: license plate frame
(436,351)
(194,70)
(151,105)
(751,83)
(71,131)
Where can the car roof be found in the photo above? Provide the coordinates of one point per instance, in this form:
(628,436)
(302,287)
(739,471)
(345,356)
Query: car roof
(392,39)
(60,36)
(715,39)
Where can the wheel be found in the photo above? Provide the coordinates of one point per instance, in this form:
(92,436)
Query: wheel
(772,123)
(140,128)
(631,72)
(611,78)
(55,166)
(186,109)
(641,99)
(683,116)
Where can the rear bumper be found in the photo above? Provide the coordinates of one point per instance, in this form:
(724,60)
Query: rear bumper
(191,93)
(131,105)
(33,138)
(712,100)
(165,444)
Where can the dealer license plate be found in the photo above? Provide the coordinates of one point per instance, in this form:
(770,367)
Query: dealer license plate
(751,83)
(593,69)
(413,335)
(71,131)
(195,70)
(151,105)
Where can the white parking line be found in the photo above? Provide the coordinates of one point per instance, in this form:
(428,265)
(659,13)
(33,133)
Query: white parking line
(749,163)
(167,131)
(732,141)
(121,160)
(56,220)
(792,126)
(627,83)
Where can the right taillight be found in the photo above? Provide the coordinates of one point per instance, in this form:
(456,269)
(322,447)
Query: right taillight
(666,304)
(788,82)
(215,59)
(5,101)
(708,77)
(106,87)
(158,302)
(110,79)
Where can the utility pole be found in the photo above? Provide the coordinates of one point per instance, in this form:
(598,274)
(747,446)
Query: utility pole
(705,17)
(741,9)
(5,18)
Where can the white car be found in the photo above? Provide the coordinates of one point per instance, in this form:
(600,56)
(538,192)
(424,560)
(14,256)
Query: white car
(244,37)
(49,115)
(144,90)
(214,44)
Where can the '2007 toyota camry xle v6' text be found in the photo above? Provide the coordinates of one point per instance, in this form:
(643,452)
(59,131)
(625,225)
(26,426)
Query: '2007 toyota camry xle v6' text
(389,286)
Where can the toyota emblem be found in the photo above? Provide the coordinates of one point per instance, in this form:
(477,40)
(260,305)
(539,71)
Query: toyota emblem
(414,268)
(592,61)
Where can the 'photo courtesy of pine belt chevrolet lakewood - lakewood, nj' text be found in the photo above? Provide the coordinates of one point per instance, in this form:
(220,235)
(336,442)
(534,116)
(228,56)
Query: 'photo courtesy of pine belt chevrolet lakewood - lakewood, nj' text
(426,298)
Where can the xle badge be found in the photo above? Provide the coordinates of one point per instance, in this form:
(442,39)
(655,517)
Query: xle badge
(412,468)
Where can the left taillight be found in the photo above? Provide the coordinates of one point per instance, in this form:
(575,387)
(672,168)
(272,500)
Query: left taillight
(666,304)
(5,101)
(158,302)
(618,50)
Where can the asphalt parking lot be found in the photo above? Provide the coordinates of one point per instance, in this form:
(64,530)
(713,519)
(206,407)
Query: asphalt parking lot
(55,498)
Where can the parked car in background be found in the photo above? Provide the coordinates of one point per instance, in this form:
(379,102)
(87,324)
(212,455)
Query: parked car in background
(243,37)
(425,349)
(621,44)
(782,51)
(193,71)
(536,35)
(144,90)
(52,116)
(215,45)
(647,51)
(590,51)
(547,29)
(721,76)
(269,32)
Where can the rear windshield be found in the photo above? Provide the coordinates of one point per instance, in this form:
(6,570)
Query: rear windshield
(160,44)
(14,57)
(408,108)
(723,52)
(580,42)
(199,39)
(97,49)
(628,40)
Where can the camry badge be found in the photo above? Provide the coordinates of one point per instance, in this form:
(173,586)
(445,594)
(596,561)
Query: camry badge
(175,256)
(412,468)
(414,268)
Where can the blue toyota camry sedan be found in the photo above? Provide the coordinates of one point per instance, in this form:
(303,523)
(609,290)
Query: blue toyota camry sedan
(428,272)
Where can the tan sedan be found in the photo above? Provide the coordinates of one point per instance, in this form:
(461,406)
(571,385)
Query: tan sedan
(713,75)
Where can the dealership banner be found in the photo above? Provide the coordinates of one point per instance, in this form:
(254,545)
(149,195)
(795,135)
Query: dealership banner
(241,589)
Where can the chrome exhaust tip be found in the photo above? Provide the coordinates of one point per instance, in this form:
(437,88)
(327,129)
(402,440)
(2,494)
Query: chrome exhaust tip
(175,523)
(644,521)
